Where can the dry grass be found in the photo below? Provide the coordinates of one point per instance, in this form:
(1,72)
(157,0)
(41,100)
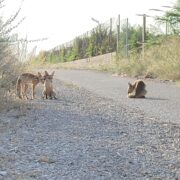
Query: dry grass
(164,60)
(8,78)
(97,63)
(161,61)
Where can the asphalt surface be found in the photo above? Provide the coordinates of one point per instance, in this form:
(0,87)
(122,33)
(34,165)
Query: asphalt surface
(162,101)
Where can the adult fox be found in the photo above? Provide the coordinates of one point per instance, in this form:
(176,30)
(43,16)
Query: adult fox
(48,91)
(137,89)
(23,81)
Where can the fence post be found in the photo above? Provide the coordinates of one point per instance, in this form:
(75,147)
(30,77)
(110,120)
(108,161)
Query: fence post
(118,36)
(110,36)
(127,34)
(143,34)
(167,28)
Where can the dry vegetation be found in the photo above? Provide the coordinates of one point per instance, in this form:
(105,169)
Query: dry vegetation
(93,63)
(9,69)
(164,60)
(160,61)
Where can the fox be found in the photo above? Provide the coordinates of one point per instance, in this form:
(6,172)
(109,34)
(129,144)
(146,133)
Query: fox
(137,89)
(48,91)
(24,80)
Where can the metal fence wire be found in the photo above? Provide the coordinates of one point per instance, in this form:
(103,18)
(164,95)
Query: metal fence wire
(115,35)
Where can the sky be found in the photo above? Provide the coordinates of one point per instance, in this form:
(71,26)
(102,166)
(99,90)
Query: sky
(62,20)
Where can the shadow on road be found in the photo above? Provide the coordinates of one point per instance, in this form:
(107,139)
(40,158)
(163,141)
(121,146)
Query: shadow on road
(154,98)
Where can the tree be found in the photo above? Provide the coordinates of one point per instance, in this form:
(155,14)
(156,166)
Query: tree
(172,17)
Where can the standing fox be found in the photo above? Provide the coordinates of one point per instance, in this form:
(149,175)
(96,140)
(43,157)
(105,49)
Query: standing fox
(48,86)
(137,89)
(23,81)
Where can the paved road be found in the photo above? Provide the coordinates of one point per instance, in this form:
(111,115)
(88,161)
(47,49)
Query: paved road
(162,102)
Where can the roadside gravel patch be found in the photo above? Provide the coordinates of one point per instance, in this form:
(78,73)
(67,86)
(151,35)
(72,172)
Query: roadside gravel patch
(84,136)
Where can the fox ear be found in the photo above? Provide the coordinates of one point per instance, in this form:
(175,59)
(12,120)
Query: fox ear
(39,74)
(46,73)
(52,74)
(129,84)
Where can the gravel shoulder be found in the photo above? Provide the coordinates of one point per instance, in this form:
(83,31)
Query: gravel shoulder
(83,135)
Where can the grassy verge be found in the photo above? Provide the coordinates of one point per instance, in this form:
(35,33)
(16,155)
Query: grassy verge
(161,61)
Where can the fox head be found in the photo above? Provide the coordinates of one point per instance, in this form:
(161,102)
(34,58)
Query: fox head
(39,74)
(130,88)
(48,76)
(40,77)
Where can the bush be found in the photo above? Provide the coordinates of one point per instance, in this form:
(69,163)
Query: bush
(10,68)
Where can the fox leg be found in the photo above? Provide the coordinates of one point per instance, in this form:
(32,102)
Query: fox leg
(33,91)
(25,91)
(44,95)
(54,95)
(20,91)
(50,96)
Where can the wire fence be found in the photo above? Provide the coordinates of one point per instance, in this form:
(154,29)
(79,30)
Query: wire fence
(115,35)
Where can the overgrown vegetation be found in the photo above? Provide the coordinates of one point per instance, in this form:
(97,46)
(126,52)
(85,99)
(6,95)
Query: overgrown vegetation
(160,58)
(9,65)
(100,41)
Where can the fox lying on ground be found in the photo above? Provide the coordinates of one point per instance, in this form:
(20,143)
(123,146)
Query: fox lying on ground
(23,81)
(137,89)
(48,86)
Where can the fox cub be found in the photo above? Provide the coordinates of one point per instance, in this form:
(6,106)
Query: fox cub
(24,80)
(137,89)
(48,91)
